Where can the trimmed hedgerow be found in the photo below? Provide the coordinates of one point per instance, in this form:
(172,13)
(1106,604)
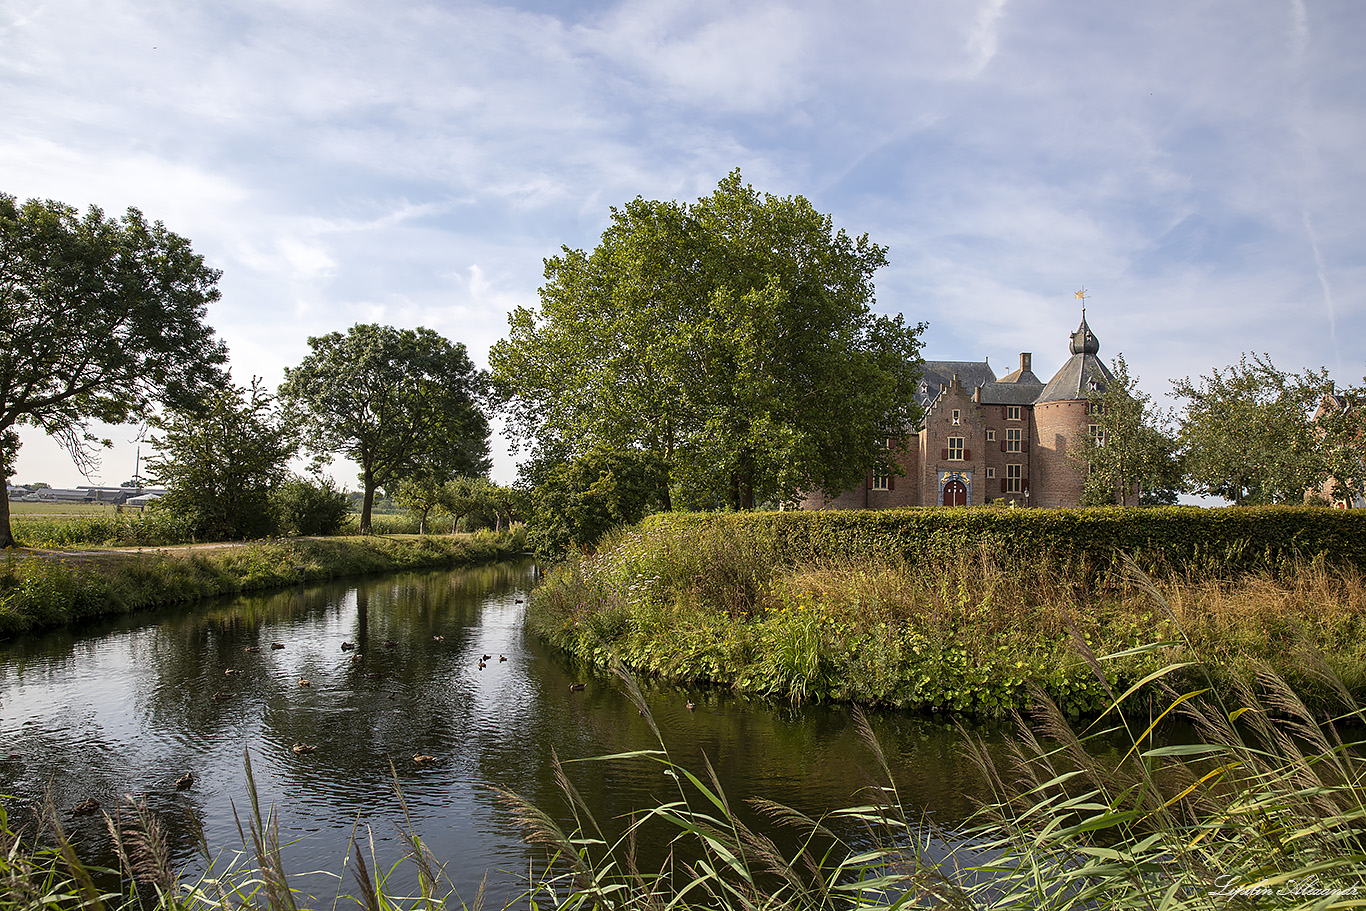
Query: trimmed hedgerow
(1182,538)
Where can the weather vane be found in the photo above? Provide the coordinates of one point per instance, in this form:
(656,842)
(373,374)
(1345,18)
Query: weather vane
(1081,296)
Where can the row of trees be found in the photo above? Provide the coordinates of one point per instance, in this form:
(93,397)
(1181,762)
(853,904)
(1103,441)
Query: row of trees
(102,319)
(404,405)
(1249,433)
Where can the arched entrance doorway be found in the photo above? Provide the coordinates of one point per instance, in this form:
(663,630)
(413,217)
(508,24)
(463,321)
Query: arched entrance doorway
(955,493)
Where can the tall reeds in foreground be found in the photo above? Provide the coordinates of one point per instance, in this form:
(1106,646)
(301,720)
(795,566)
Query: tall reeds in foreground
(54,878)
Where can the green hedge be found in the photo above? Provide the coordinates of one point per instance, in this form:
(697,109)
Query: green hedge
(1183,538)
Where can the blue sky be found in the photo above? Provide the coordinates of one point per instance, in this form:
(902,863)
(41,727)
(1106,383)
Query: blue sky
(1197,166)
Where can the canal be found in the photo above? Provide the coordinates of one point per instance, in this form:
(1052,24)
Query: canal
(373,673)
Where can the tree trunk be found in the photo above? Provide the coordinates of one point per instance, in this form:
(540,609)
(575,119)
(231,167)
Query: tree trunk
(744,482)
(6,535)
(422,521)
(367,503)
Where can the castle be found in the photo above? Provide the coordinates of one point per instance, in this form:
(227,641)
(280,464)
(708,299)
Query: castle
(984,438)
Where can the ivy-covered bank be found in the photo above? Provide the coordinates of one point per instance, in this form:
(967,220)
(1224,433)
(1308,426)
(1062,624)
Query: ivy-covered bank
(50,590)
(968,610)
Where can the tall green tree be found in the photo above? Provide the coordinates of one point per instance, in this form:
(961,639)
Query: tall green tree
(222,461)
(394,401)
(1130,456)
(100,318)
(732,339)
(1246,433)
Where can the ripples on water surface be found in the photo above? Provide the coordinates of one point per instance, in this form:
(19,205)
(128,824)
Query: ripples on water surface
(127,709)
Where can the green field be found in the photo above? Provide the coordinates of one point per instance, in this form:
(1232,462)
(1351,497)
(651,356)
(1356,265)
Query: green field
(20,508)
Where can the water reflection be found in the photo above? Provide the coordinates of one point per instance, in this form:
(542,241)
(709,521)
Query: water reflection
(126,708)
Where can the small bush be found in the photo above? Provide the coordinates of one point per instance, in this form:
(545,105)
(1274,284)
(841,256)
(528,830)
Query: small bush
(304,507)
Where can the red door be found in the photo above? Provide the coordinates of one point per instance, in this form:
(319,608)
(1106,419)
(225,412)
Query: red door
(955,494)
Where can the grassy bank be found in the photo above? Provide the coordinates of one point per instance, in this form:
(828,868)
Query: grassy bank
(973,629)
(49,590)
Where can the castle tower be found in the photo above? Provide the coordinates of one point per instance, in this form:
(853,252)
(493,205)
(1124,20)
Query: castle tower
(1061,411)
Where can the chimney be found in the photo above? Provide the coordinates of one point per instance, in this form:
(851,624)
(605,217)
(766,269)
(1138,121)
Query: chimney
(1025,358)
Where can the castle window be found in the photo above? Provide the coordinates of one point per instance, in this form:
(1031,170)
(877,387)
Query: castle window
(957,417)
(1013,435)
(881,482)
(1012,412)
(991,473)
(955,449)
(991,436)
(1014,478)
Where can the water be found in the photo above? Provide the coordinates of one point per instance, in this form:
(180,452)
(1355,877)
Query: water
(126,708)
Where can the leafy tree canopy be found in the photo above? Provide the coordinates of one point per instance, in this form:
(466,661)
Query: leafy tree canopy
(221,462)
(577,502)
(398,402)
(1246,433)
(100,318)
(732,339)
(1132,453)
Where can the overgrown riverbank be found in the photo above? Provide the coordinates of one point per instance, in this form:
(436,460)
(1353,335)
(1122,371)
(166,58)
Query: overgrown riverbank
(39,591)
(967,623)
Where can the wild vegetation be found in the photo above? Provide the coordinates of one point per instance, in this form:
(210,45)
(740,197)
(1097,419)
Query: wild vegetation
(807,607)
(38,591)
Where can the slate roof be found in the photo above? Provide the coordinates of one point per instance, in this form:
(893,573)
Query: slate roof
(970,373)
(1011,393)
(1073,381)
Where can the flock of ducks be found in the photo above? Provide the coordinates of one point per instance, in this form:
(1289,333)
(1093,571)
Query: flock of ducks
(299,748)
